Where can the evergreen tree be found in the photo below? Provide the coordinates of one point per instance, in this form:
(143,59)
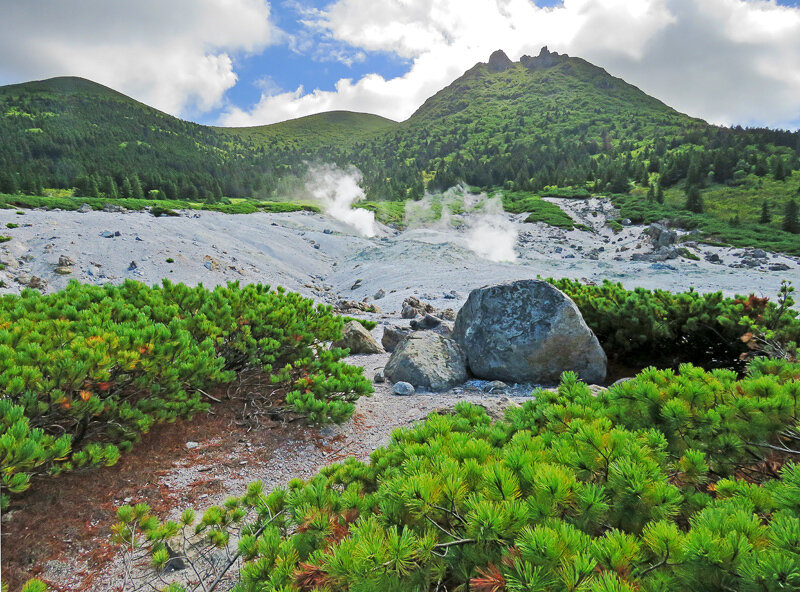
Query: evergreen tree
(127,190)
(659,194)
(651,193)
(765,217)
(109,188)
(8,183)
(790,218)
(694,201)
(779,168)
(136,188)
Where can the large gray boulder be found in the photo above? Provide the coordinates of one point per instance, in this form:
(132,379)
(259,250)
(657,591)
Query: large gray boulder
(428,360)
(527,331)
(358,340)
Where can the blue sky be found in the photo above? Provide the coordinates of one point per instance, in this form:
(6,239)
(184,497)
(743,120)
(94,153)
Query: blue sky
(252,62)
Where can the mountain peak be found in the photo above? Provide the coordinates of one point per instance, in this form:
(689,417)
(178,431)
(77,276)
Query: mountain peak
(545,59)
(499,61)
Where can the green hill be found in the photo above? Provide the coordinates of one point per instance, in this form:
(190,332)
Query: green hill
(547,124)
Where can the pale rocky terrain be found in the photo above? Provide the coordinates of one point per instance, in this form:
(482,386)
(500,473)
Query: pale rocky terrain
(324,259)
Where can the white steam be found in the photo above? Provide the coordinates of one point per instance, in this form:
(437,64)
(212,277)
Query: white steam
(490,233)
(474,220)
(336,190)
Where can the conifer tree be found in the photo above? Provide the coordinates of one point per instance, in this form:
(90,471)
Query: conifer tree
(651,194)
(136,188)
(790,218)
(694,201)
(110,187)
(659,194)
(765,216)
(126,190)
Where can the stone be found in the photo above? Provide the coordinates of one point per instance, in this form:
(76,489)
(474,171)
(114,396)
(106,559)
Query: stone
(412,307)
(448,314)
(353,306)
(527,331)
(36,282)
(358,340)
(379,377)
(326,231)
(112,208)
(758,254)
(190,444)
(779,267)
(356,284)
(404,389)
(84,209)
(661,235)
(427,360)
(496,386)
(713,258)
(392,336)
(379,294)
(427,322)
(63,270)
(133,265)
(64,261)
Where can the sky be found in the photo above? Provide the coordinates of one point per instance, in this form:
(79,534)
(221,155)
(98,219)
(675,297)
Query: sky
(253,62)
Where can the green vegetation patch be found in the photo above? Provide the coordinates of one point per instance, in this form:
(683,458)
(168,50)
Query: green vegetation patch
(518,202)
(669,481)
(86,370)
(644,327)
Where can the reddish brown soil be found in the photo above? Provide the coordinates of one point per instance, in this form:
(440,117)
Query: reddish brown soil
(69,517)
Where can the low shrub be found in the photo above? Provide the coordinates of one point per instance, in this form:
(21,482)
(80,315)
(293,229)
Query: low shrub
(664,328)
(84,371)
(671,481)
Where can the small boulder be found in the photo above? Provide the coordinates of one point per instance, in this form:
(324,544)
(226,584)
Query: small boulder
(527,331)
(427,322)
(404,389)
(496,386)
(84,209)
(64,261)
(379,294)
(379,377)
(662,236)
(63,270)
(428,360)
(392,336)
(358,340)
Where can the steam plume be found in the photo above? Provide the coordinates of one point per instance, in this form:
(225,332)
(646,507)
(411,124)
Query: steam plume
(336,190)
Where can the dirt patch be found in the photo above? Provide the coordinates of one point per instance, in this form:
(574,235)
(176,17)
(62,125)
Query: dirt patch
(60,528)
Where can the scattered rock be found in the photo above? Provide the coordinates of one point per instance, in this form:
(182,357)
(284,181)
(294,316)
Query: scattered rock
(109,234)
(84,209)
(713,258)
(190,444)
(427,322)
(356,284)
(779,267)
(64,261)
(758,254)
(428,360)
(448,314)
(358,340)
(63,270)
(379,377)
(351,306)
(133,265)
(661,235)
(404,389)
(413,307)
(379,294)
(496,386)
(527,331)
(112,208)
(392,336)
(326,231)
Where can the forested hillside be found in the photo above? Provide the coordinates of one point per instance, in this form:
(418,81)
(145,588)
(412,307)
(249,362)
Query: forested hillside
(542,123)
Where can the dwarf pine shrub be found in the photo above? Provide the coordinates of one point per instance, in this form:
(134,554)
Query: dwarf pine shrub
(85,371)
(675,480)
(643,326)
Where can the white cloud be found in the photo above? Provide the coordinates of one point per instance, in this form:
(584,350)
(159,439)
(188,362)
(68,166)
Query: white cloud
(176,55)
(729,61)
